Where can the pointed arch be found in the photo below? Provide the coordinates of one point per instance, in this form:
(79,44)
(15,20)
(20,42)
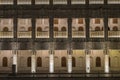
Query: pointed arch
(115,28)
(55,28)
(97,28)
(4,62)
(80,28)
(98,62)
(5,29)
(39,29)
(73,62)
(29,62)
(63,62)
(39,62)
(63,29)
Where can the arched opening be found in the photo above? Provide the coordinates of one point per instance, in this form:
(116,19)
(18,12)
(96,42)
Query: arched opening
(5,29)
(29,62)
(39,29)
(39,62)
(98,62)
(73,62)
(5,62)
(63,29)
(115,28)
(63,62)
(30,29)
(97,28)
(55,28)
(80,28)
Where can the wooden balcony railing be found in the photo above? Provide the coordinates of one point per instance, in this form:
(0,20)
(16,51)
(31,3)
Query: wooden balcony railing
(6,34)
(27,34)
(43,34)
(97,34)
(78,34)
(60,34)
(113,33)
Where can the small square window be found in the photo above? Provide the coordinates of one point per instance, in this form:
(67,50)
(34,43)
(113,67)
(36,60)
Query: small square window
(80,21)
(55,21)
(97,21)
(115,20)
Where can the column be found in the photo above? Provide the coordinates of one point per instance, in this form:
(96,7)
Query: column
(15,60)
(106,63)
(33,62)
(51,61)
(69,62)
(87,61)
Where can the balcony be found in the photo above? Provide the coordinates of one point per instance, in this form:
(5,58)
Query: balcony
(6,34)
(97,34)
(78,34)
(43,34)
(113,34)
(60,34)
(27,34)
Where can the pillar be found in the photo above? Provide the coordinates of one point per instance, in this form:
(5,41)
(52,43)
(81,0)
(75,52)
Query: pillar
(15,60)
(87,61)
(51,62)
(106,62)
(69,62)
(33,62)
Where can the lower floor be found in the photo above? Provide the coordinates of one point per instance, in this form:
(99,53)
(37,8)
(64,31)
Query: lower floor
(59,61)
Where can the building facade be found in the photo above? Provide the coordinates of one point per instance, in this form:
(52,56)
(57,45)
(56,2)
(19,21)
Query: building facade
(60,36)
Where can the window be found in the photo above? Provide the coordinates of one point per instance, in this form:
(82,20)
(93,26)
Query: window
(73,62)
(97,28)
(5,29)
(29,62)
(80,28)
(109,62)
(5,62)
(63,29)
(63,62)
(30,29)
(55,28)
(80,21)
(39,29)
(115,20)
(115,28)
(39,62)
(97,21)
(55,21)
(98,62)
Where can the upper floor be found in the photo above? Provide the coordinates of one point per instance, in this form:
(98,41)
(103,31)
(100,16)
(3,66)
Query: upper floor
(60,28)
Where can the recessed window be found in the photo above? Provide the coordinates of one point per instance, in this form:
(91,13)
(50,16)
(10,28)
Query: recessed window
(29,62)
(29,28)
(98,62)
(5,29)
(115,20)
(39,29)
(63,29)
(80,28)
(55,28)
(115,28)
(39,62)
(73,62)
(80,21)
(55,21)
(5,62)
(63,62)
(97,28)
(97,21)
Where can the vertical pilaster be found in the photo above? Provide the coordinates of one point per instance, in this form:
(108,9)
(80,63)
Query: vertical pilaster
(51,63)
(15,2)
(33,2)
(33,28)
(15,21)
(51,28)
(105,2)
(15,60)
(69,61)
(51,2)
(69,2)
(33,62)
(87,61)
(106,52)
